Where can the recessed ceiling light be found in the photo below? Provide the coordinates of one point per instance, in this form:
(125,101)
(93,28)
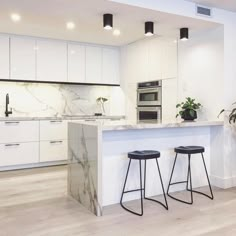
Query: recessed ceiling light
(116,32)
(15,17)
(70,25)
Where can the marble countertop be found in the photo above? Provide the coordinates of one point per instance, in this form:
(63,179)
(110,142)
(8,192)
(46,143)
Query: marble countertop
(131,125)
(67,117)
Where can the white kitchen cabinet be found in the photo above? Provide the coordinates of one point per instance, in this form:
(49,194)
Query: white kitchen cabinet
(110,66)
(155,59)
(23,58)
(51,60)
(51,130)
(19,131)
(93,64)
(169,99)
(19,153)
(76,63)
(4,57)
(169,59)
(53,150)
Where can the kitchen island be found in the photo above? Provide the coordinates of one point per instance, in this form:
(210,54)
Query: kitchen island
(98,157)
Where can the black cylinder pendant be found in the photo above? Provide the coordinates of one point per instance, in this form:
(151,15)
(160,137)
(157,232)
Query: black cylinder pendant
(149,28)
(108,21)
(184,34)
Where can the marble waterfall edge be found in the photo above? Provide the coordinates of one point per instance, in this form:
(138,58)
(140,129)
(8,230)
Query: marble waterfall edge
(83,161)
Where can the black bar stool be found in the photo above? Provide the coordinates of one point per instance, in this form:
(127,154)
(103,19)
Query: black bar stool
(189,150)
(143,155)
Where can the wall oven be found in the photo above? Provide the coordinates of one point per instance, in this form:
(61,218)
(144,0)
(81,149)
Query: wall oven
(149,94)
(149,114)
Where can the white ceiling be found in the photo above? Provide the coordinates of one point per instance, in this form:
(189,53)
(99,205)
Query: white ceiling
(227,5)
(47,18)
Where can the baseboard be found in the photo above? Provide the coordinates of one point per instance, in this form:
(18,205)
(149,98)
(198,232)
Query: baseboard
(223,183)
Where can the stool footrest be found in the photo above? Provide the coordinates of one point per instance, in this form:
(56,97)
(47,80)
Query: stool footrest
(130,191)
(181,182)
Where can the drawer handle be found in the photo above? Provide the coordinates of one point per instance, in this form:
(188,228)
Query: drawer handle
(55,121)
(12,145)
(52,142)
(11,122)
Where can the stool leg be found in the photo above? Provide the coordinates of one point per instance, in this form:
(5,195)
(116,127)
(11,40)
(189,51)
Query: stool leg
(189,178)
(150,199)
(123,191)
(172,173)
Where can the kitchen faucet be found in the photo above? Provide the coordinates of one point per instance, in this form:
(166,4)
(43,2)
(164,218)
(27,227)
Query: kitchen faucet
(7,103)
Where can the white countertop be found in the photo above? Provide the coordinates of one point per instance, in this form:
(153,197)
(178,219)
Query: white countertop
(69,117)
(131,125)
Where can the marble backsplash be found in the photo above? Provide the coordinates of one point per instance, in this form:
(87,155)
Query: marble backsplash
(42,100)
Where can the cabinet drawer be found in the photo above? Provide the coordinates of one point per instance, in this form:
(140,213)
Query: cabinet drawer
(19,131)
(53,130)
(53,150)
(19,153)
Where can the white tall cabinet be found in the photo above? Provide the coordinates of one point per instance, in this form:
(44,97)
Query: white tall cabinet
(76,63)
(110,66)
(23,58)
(4,57)
(51,60)
(93,64)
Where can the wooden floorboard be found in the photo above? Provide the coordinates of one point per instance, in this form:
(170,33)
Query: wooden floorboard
(34,203)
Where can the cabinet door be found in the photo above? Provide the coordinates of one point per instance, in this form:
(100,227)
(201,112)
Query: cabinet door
(53,129)
(4,57)
(155,60)
(53,150)
(23,58)
(169,60)
(51,61)
(110,66)
(19,153)
(93,64)
(76,63)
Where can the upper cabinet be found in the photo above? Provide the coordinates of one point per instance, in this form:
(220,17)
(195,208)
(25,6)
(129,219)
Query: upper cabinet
(110,66)
(76,63)
(4,57)
(23,58)
(51,61)
(93,64)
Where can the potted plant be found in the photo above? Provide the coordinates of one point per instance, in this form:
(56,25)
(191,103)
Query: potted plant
(101,101)
(232,115)
(188,109)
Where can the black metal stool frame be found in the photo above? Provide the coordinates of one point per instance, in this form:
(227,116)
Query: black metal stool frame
(189,181)
(142,188)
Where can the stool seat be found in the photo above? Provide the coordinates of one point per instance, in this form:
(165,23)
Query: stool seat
(144,155)
(189,149)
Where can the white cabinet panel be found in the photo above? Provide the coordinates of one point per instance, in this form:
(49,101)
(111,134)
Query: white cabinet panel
(19,153)
(53,150)
(93,64)
(53,130)
(155,60)
(110,66)
(51,61)
(23,58)
(4,57)
(76,63)
(19,131)
(169,60)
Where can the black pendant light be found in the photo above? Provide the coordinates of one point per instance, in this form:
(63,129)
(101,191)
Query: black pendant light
(184,34)
(107,21)
(149,28)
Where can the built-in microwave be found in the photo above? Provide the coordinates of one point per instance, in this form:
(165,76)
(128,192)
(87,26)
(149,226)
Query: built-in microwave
(149,96)
(149,114)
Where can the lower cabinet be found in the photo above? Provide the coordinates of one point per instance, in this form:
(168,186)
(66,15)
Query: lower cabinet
(19,153)
(55,150)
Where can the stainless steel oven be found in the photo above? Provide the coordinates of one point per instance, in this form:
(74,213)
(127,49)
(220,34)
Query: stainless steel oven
(149,94)
(149,114)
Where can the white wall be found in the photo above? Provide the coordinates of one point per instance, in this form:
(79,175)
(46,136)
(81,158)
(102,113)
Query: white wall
(201,71)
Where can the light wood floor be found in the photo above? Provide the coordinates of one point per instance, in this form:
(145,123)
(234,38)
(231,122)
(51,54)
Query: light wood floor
(34,202)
